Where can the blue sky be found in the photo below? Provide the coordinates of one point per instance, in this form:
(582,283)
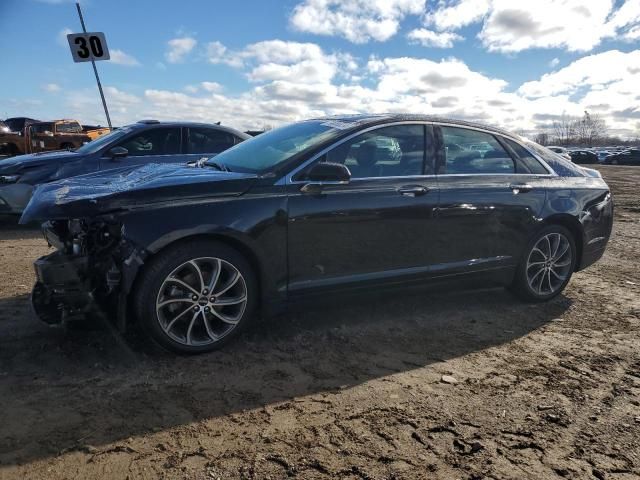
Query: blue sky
(251,64)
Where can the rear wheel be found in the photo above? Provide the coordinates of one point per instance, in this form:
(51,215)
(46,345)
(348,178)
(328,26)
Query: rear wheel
(67,146)
(196,297)
(547,266)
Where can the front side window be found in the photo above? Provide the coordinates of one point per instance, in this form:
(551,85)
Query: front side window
(394,151)
(209,140)
(154,141)
(473,152)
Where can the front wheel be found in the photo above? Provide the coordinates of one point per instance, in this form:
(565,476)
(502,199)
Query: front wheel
(547,265)
(196,297)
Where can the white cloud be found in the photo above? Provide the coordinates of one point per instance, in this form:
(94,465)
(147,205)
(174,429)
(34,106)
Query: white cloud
(598,71)
(211,86)
(179,48)
(272,60)
(554,62)
(51,87)
(429,38)
(62,36)
(512,26)
(356,20)
(121,58)
(295,80)
(454,15)
(545,24)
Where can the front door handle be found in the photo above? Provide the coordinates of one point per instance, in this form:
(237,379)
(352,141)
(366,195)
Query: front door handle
(520,188)
(413,190)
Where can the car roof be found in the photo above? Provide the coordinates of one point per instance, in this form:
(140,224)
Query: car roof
(379,119)
(156,123)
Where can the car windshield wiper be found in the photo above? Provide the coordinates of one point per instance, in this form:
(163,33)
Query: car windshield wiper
(217,165)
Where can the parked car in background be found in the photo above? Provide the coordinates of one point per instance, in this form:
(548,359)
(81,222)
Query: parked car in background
(317,209)
(628,157)
(583,156)
(563,152)
(602,154)
(145,142)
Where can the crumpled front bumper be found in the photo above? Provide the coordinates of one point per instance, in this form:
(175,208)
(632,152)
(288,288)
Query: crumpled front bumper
(62,291)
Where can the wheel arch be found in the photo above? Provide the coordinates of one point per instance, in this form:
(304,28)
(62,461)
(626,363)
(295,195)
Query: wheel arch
(241,247)
(574,226)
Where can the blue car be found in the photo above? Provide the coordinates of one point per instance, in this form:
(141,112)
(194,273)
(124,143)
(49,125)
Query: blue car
(148,141)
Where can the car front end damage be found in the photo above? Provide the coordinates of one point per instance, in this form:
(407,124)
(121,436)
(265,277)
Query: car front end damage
(92,269)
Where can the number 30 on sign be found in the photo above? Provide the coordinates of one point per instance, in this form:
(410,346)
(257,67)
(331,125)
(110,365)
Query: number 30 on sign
(88,46)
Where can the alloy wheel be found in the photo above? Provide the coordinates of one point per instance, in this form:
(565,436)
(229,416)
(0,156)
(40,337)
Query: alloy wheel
(201,301)
(549,264)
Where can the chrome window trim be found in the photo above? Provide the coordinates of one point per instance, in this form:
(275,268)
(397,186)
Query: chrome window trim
(288,178)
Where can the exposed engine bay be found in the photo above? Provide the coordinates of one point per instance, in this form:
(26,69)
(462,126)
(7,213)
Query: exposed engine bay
(91,263)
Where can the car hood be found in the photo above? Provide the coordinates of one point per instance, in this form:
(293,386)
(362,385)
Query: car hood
(131,187)
(23,162)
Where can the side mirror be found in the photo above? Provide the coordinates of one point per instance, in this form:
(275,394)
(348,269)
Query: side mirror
(117,153)
(325,173)
(329,172)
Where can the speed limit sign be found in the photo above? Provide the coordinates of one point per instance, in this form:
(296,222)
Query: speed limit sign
(89,46)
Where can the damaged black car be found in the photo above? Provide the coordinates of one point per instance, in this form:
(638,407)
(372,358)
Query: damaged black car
(315,210)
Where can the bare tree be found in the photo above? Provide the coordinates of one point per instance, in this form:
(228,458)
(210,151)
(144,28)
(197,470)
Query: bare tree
(542,138)
(564,129)
(590,128)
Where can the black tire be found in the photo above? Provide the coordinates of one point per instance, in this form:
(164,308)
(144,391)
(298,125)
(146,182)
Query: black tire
(66,146)
(521,282)
(154,276)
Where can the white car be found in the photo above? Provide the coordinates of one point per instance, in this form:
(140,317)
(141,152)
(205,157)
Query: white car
(563,152)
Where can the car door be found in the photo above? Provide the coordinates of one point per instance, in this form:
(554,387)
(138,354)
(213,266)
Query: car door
(205,142)
(148,145)
(42,137)
(379,227)
(489,199)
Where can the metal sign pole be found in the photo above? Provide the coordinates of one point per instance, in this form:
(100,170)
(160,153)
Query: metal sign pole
(95,70)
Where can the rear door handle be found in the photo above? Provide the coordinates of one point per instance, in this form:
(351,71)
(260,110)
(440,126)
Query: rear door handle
(520,188)
(413,190)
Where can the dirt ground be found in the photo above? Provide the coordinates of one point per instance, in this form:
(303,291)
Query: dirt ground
(348,391)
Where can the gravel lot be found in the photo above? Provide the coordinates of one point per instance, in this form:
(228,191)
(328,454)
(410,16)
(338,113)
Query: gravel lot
(350,391)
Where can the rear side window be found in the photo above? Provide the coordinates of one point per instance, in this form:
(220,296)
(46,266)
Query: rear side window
(559,164)
(209,140)
(529,161)
(473,152)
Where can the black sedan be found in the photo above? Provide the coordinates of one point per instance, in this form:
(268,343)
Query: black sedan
(315,210)
(583,157)
(628,157)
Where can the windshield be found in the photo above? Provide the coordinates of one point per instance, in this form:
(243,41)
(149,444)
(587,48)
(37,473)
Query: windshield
(267,150)
(98,143)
